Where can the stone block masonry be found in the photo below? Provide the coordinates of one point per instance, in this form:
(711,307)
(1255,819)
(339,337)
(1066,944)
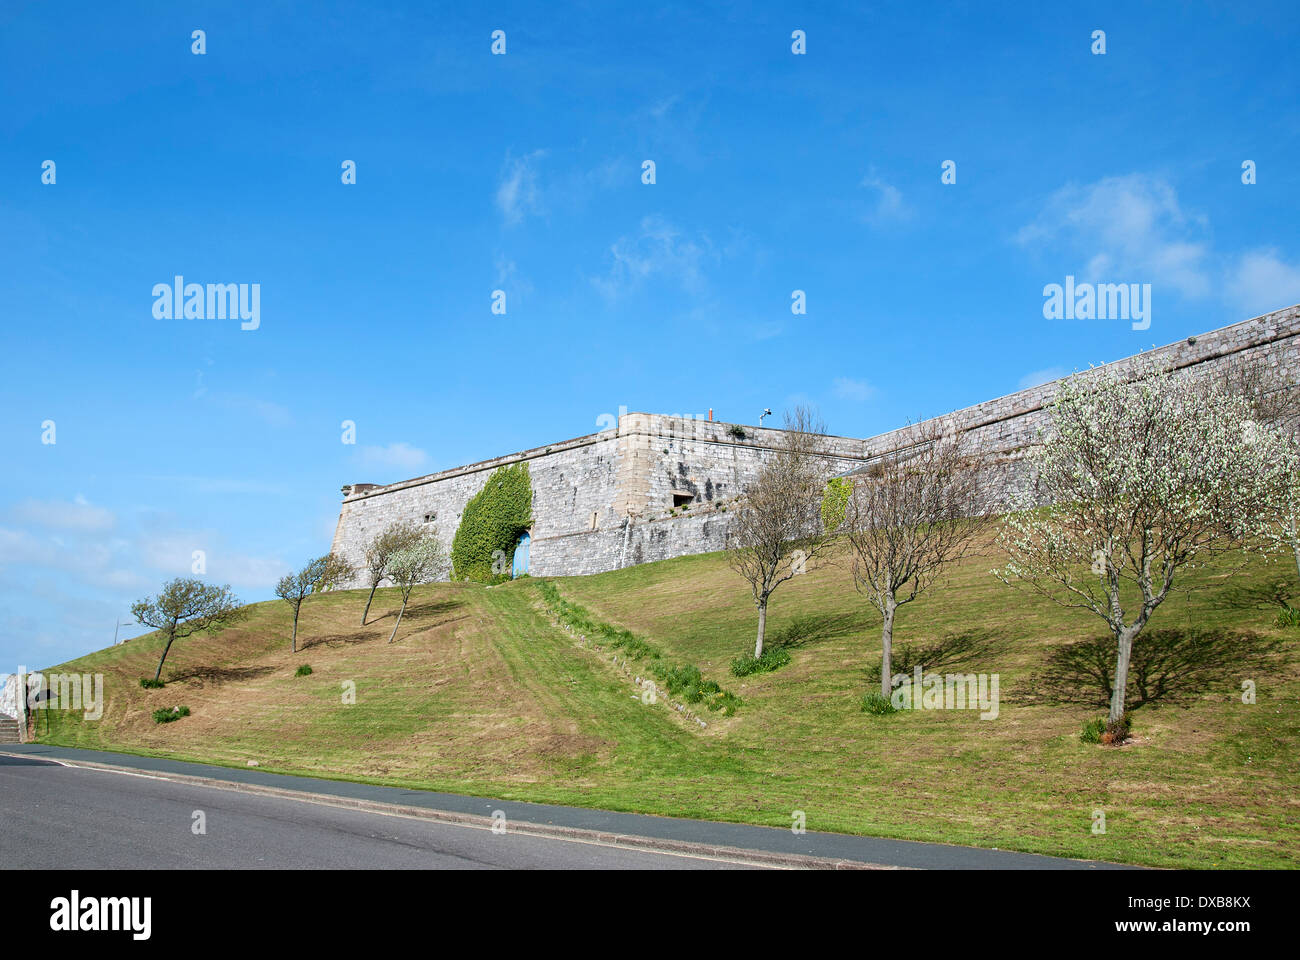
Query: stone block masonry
(1006,428)
(593,495)
(657,487)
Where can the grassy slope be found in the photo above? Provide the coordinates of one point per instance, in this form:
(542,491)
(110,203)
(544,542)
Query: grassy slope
(482,694)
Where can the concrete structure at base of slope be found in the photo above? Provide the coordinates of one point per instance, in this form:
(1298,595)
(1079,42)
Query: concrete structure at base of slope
(656,487)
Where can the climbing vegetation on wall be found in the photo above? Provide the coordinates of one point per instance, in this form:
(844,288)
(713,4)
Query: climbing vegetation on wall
(835,502)
(494,518)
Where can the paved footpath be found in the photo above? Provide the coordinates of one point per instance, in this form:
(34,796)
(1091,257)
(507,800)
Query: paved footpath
(93,803)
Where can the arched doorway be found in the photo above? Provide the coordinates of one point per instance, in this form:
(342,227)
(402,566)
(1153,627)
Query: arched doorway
(520,564)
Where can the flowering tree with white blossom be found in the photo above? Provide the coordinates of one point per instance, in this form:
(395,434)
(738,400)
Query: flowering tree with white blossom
(423,560)
(1268,384)
(1282,465)
(1144,473)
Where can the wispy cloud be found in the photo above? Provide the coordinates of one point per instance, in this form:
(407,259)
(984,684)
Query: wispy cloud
(887,200)
(217,485)
(1261,281)
(846,388)
(83,559)
(269,412)
(133,561)
(77,515)
(658,248)
(660,108)
(1133,228)
(1037,378)
(1129,228)
(517,194)
(399,456)
(172,554)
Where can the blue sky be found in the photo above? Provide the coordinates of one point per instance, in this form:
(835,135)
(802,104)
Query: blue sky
(775,172)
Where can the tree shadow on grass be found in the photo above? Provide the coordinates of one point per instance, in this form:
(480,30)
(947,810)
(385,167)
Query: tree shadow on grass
(1272,594)
(425,608)
(334,640)
(947,653)
(432,608)
(1168,666)
(216,676)
(812,628)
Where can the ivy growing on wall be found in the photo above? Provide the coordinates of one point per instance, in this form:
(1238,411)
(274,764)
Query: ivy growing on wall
(835,503)
(484,545)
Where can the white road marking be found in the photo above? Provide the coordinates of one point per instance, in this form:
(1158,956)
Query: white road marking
(234,787)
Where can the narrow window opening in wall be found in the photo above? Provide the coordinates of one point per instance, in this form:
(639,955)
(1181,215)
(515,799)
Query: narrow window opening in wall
(594,517)
(681,499)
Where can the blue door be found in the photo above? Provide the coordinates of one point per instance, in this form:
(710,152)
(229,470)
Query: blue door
(520,564)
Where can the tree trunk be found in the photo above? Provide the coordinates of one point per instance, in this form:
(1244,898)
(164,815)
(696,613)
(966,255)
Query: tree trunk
(762,628)
(1296,547)
(887,649)
(294,641)
(366,612)
(1125,640)
(170,637)
(399,621)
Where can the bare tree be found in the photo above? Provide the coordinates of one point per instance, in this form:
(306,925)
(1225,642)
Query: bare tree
(424,560)
(318,575)
(1262,379)
(911,515)
(395,536)
(776,528)
(185,606)
(1144,473)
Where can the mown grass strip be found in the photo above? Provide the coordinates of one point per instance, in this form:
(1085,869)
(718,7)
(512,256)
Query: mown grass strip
(683,680)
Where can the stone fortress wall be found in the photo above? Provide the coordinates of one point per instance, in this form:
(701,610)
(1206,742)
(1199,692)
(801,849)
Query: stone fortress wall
(657,487)
(1006,428)
(592,495)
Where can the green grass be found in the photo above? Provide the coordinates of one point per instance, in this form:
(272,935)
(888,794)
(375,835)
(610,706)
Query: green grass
(482,693)
(682,680)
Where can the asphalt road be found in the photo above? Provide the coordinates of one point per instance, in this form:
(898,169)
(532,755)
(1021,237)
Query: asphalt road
(141,819)
(77,818)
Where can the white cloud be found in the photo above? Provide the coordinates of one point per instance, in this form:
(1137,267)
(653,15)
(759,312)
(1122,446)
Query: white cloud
(660,108)
(511,280)
(85,564)
(847,388)
(98,563)
(273,414)
(1261,281)
(1128,229)
(79,515)
(658,248)
(889,203)
(400,455)
(517,193)
(172,555)
(221,485)
(1132,229)
(1039,377)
